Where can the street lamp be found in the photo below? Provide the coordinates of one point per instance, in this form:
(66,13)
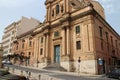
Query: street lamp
(37,62)
(79,60)
(100,61)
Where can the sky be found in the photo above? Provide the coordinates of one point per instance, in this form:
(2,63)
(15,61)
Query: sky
(12,11)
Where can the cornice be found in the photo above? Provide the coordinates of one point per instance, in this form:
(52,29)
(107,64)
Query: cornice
(25,34)
(48,1)
(100,18)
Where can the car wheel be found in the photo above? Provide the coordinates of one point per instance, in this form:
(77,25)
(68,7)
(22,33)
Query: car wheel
(108,76)
(119,78)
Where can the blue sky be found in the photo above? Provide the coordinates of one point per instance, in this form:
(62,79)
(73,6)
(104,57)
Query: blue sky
(12,10)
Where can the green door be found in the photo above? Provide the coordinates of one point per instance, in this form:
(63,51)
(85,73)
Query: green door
(57,54)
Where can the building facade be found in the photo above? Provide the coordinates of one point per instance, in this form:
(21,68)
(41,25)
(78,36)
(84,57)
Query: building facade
(74,30)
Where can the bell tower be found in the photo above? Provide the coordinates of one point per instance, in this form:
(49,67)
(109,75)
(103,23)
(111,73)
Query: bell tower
(55,9)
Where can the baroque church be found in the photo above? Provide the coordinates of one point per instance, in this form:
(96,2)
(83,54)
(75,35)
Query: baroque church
(75,36)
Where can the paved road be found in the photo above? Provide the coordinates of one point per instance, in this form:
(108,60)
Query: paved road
(60,75)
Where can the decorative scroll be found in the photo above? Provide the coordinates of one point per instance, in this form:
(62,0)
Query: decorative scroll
(78,4)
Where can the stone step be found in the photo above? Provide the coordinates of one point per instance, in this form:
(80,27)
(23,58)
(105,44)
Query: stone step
(55,67)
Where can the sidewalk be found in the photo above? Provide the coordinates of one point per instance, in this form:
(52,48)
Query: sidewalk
(67,73)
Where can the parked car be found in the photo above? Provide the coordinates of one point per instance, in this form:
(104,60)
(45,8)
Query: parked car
(9,62)
(3,72)
(12,77)
(114,74)
(6,62)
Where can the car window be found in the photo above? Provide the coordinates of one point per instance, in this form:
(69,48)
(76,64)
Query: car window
(117,71)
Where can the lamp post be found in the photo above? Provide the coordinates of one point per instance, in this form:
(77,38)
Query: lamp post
(29,60)
(37,62)
(79,60)
(100,65)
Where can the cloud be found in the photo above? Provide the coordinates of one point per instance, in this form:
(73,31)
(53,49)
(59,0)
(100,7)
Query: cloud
(110,6)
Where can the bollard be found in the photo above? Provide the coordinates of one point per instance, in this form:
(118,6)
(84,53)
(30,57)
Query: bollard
(29,73)
(39,76)
(13,70)
(7,68)
(21,73)
(51,78)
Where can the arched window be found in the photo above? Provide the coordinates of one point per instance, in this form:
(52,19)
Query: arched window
(57,9)
(17,47)
(52,12)
(29,53)
(22,45)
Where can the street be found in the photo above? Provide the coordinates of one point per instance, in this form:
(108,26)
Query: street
(37,74)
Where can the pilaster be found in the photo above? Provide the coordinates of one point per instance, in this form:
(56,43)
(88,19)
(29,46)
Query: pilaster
(64,41)
(68,40)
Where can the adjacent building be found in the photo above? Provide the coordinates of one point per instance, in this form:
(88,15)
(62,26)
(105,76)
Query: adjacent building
(73,30)
(8,38)
(1,55)
(15,31)
(24,44)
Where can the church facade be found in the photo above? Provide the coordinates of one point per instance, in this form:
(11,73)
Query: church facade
(76,36)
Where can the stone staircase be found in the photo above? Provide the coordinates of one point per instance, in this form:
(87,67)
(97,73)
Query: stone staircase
(54,67)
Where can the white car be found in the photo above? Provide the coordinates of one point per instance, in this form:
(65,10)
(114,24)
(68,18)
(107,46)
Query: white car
(9,62)
(6,62)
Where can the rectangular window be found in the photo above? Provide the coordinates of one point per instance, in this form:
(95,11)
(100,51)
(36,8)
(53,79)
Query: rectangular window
(41,39)
(56,34)
(112,41)
(100,28)
(116,43)
(108,47)
(12,32)
(107,36)
(78,45)
(102,45)
(10,50)
(10,44)
(29,53)
(30,43)
(62,8)
(41,51)
(77,29)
